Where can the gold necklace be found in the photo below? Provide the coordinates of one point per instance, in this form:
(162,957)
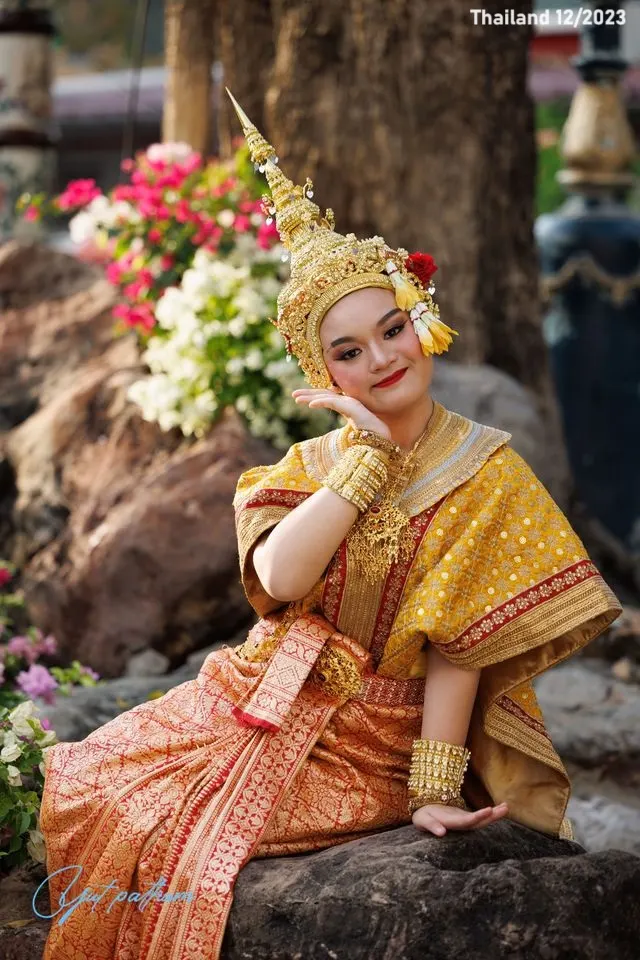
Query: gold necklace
(382,536)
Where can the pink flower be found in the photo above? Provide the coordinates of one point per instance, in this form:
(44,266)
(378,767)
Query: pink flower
(140,315)
(167,260)
(115,272)
(47,645)
(155,235)
(22,647)
(241,223)
(32,213)
(37,682)
(90,673)
(5,576)
(267,235)
(45,724)
(78,194)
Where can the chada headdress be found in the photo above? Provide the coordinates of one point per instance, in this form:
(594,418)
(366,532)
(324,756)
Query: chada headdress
(325,266)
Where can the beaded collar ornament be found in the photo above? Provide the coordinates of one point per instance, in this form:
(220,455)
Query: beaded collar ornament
(326,266)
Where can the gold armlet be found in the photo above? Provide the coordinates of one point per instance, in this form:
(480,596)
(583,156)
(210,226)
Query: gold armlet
(359,474)
(436,773)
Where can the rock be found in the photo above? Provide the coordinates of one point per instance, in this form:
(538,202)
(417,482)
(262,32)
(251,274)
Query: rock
(55,315)
(602,824)
(487,395)
(620,641)
(592,718)
(147,663)
(501,892)
(145,552)
(504,891)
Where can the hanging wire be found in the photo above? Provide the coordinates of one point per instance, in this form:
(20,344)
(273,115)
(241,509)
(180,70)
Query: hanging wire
(138,43)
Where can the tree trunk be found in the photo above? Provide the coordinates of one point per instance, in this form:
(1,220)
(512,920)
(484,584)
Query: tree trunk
(246,49)
(189,45)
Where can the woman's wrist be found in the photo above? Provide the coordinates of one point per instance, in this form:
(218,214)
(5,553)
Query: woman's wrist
(359,475)
(372,438)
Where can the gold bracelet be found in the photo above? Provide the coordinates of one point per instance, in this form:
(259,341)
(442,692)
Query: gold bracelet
(376,440)
(358,476)
(416,802)
(436,772)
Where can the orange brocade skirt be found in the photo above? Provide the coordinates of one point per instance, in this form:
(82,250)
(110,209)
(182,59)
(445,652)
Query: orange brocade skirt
(148,821)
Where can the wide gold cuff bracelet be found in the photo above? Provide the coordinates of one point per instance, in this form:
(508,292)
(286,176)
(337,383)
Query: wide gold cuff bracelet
(436,773)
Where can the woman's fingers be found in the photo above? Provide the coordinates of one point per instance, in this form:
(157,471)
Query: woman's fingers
(455,819)
(438,818)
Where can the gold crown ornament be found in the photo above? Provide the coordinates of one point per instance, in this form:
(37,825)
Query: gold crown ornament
(325,266)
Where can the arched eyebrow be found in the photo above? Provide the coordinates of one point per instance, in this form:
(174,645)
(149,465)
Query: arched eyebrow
(347,339)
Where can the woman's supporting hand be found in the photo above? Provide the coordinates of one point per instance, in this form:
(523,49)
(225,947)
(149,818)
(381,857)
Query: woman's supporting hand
(353,410)
(437,818)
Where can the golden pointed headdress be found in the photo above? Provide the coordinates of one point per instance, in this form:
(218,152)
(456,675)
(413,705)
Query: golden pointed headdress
(325,266)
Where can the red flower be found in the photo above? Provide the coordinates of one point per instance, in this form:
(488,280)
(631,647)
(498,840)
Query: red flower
(422,266)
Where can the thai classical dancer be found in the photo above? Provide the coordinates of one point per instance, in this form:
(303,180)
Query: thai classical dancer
(411,576)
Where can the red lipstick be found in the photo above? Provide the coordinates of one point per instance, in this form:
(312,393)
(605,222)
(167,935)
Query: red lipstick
(392,379)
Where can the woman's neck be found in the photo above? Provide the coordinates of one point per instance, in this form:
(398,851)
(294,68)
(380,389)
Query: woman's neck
(409,427)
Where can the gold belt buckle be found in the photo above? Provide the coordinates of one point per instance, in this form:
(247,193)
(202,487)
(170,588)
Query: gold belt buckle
(336,672)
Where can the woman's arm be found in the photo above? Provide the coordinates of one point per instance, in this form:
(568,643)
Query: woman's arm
(449,696)
(290,560)
(292,557)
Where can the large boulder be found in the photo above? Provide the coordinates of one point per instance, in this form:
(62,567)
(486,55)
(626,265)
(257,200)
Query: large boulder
(501,892)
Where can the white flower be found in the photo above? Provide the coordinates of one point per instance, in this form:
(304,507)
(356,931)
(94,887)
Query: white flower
(36,847)
(243,404)
(203,259)
(276,339)
(170,152)
(22,711)
(269,287)
(12,749)
(254,359)
(48,739)
(276,369)
(168,419)
(171,307)
(15,779)
(237,326)
(235,365)
(226,218)
(225,277)
(214,327)
(249,303)
(197,287)
(82,228)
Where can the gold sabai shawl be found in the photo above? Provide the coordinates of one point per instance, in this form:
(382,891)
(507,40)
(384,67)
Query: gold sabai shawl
(498,580)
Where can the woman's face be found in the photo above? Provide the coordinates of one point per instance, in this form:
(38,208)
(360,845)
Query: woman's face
(376,339)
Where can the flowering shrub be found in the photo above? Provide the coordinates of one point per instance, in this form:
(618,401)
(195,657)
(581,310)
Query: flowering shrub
(21,677)
(199,269)
(23,745)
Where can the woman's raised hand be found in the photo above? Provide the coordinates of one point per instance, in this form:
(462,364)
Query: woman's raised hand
(353,410)
(437,818)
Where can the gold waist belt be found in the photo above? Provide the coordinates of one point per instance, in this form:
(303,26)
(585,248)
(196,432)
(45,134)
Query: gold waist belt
(336,671)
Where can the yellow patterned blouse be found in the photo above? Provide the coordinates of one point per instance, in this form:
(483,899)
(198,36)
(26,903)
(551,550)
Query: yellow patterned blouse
(497,580)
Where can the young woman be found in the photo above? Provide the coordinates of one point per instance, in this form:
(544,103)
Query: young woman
(411,576)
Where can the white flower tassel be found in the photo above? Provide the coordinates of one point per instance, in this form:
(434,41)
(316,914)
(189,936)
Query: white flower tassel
(434,335)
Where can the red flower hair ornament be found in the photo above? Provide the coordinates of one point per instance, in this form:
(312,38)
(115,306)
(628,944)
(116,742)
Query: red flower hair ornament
(434,335)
